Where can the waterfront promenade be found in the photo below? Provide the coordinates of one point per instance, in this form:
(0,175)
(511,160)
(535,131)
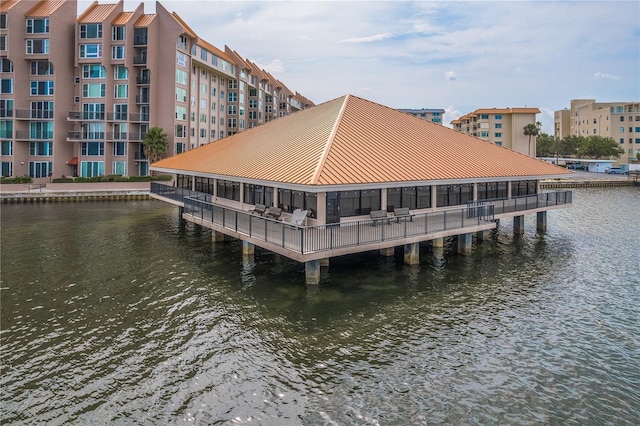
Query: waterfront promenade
(140,190)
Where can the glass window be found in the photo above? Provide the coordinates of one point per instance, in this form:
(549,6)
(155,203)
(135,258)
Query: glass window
(93,71)
(119,148)
(118,33)
(181,76)
(7,168)
(93,111)
(93,90)
(91,51)
(121,91)
(120,72)
(90,30)
(41,148)
(6,148)
(6,85)
(37,25)
(6,65)
(91,168)
(39,169)
(117,52)
(93,148)
(44,88)
(41,109)
(38,46)
(41,68)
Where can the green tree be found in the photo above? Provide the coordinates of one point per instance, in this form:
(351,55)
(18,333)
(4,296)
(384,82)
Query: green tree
(531,130)
(546,145)
(155,144)
(599,146)
(570,145)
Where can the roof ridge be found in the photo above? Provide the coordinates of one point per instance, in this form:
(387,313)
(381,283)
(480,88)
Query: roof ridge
(327,147)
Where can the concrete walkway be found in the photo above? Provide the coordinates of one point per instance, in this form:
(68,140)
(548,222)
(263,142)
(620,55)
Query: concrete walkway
(79,188)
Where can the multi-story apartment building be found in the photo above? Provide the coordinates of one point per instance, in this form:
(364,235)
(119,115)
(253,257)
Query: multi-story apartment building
(501,126)
(429,114)
(36,59)
(117,74)
(619,121)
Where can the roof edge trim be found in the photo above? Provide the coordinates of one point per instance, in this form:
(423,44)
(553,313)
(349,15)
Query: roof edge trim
(327,148)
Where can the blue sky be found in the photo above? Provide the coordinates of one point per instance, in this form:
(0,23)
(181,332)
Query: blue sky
(455,55)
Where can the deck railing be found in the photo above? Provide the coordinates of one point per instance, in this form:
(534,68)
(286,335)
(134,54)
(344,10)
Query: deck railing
(526,202)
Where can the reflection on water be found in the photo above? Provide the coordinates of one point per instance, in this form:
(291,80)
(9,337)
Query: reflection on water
(119,313)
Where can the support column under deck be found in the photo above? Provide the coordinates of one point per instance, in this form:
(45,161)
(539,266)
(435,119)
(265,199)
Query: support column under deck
(387,252)
(464,243)
(437,242)
(518,225)
(541,221)
(412,254)
(312,272)
(483,235)
(248,249)
(324,262)
(217,237)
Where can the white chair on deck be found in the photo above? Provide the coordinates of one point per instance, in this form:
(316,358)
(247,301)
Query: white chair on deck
(298,217)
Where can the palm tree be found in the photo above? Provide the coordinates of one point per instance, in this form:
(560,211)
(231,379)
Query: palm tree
(531,130)
(155,144)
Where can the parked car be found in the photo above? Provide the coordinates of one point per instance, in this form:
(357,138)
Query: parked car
(616,171)
(576,167)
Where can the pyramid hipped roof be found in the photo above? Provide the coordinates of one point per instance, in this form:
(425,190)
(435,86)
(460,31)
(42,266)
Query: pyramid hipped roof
(352,141)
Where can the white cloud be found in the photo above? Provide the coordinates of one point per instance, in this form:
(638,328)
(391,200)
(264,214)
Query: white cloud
(603,76)
(450,114)
(274,67)
(451,75)
(369,39)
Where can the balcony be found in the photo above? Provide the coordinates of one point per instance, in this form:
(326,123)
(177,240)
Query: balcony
(142,118)
(85,136)
(142,99)
(85,116)
(117,116)
(117,136)
(140,40)
(26,114)
(139,60)
(144,79)
(139,155)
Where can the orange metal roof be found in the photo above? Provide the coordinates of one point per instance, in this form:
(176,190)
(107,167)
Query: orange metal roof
(187,28)
(44,8)
(97,12)
(350,140)
(123,18)
(144,20)
(5,5)
(214,50)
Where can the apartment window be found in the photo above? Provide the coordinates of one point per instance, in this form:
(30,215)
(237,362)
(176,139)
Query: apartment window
(94,90)
(232,97)
(37,46)
(213,91)
(180,148)
(621,141)
(498,117)
(40,169)
(119,149)
(93,111)
(203,103)
(6,108)
(6,129)
(232,123)
(182,42)
(621,129)
(44,88)
(3,21)
(181,59)
(499,143)
(619,109)
(203,133)
(181,131)
(120,72)
(7,168)
(91,168)
(118,33)
(90,30)
(120,111)
(37,25)
(484,134)
(213,134)
(120,91)
(181,94)
(181,76)
(203,54)
(119,168)
(181,113)
(498,125)
(6,85)
(93,148)
(6,148)
(193,116)
(91,51)
(637,140)
(232,109)
(498,134)
(253,103)
(44,149)
(203,118)
(117,52)
(637,129)
(204,89)
(193,132)
(213,119)
(214,60)
(41,130)
(3,42)
(484,116)
(93,71)
(41,68)
(41,109)
(6,65)
(233,84)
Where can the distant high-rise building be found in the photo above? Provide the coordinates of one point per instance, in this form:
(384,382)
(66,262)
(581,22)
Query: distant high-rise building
(429,114)
(78,95)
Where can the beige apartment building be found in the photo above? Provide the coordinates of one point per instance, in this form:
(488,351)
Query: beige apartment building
(617,120)
(501,126)
(116,74)
(433,115)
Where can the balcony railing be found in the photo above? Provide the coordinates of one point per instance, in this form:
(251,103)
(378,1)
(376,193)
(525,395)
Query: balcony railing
(34,114)
(139,60)
(86,136)
(139,117)
(142,99)
(143,80)
(140,156)
(27,134)
(139,41)
(86,115)
(526,202)
(117,116)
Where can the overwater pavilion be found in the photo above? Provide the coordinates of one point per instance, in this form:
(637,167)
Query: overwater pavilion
(351,164)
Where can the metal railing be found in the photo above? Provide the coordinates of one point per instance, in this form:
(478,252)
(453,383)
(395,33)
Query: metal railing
(526,202)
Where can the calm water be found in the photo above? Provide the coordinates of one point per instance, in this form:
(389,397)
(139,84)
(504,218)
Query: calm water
(118,313)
